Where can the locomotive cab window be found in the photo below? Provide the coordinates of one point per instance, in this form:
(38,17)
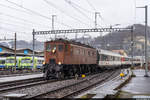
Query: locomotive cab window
(60,47)
(48,47)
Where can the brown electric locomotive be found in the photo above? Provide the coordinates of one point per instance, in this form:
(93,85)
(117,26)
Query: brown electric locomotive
(65,58)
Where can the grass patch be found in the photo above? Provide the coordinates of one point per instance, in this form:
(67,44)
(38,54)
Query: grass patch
(124,94)
(132,68)
(88,96)
(133,75)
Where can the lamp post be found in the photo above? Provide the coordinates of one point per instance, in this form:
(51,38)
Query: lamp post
(146,59)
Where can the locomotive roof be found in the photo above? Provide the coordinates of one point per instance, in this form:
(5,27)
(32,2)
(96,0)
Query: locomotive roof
(71,42)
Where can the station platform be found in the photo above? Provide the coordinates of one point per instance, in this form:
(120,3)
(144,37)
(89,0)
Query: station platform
(15,78)
(138,87)
(107,88)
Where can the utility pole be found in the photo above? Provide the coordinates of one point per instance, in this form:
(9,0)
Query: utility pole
(132,44)
(146,59)
(53,23)
(33,33)
(96,13)
(15,51)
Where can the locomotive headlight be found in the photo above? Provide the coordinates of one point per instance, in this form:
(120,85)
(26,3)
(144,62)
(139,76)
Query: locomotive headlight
(59,63)
(53,50)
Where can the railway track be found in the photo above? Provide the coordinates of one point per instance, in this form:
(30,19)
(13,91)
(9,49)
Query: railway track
(38,88)
(13,85)
(78,86)
(10,75)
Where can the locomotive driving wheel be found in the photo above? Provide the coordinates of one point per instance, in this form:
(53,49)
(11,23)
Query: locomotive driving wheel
(47,75)
(60,75)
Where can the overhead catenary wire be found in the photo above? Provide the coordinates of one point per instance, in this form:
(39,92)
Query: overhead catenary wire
(14,17)
(91,5)
(23,23)
(77,9)
(8,29)
(100,16)
(19,11)
(15,25)
(64,12)
(75,4)
(36,13)
(12,8)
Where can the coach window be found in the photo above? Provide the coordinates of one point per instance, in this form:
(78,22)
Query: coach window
(104,58)
(118,59)
(48,47)
(113,58)
(60,47)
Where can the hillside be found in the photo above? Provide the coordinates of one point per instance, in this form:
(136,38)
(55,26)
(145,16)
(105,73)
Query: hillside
(122,40)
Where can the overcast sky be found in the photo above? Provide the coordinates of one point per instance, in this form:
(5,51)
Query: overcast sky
(21,16)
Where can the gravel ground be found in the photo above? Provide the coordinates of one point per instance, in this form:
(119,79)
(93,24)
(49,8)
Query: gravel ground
(38,89)
(84,85)
(44,88)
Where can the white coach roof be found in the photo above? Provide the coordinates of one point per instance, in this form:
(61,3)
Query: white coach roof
(106,52)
